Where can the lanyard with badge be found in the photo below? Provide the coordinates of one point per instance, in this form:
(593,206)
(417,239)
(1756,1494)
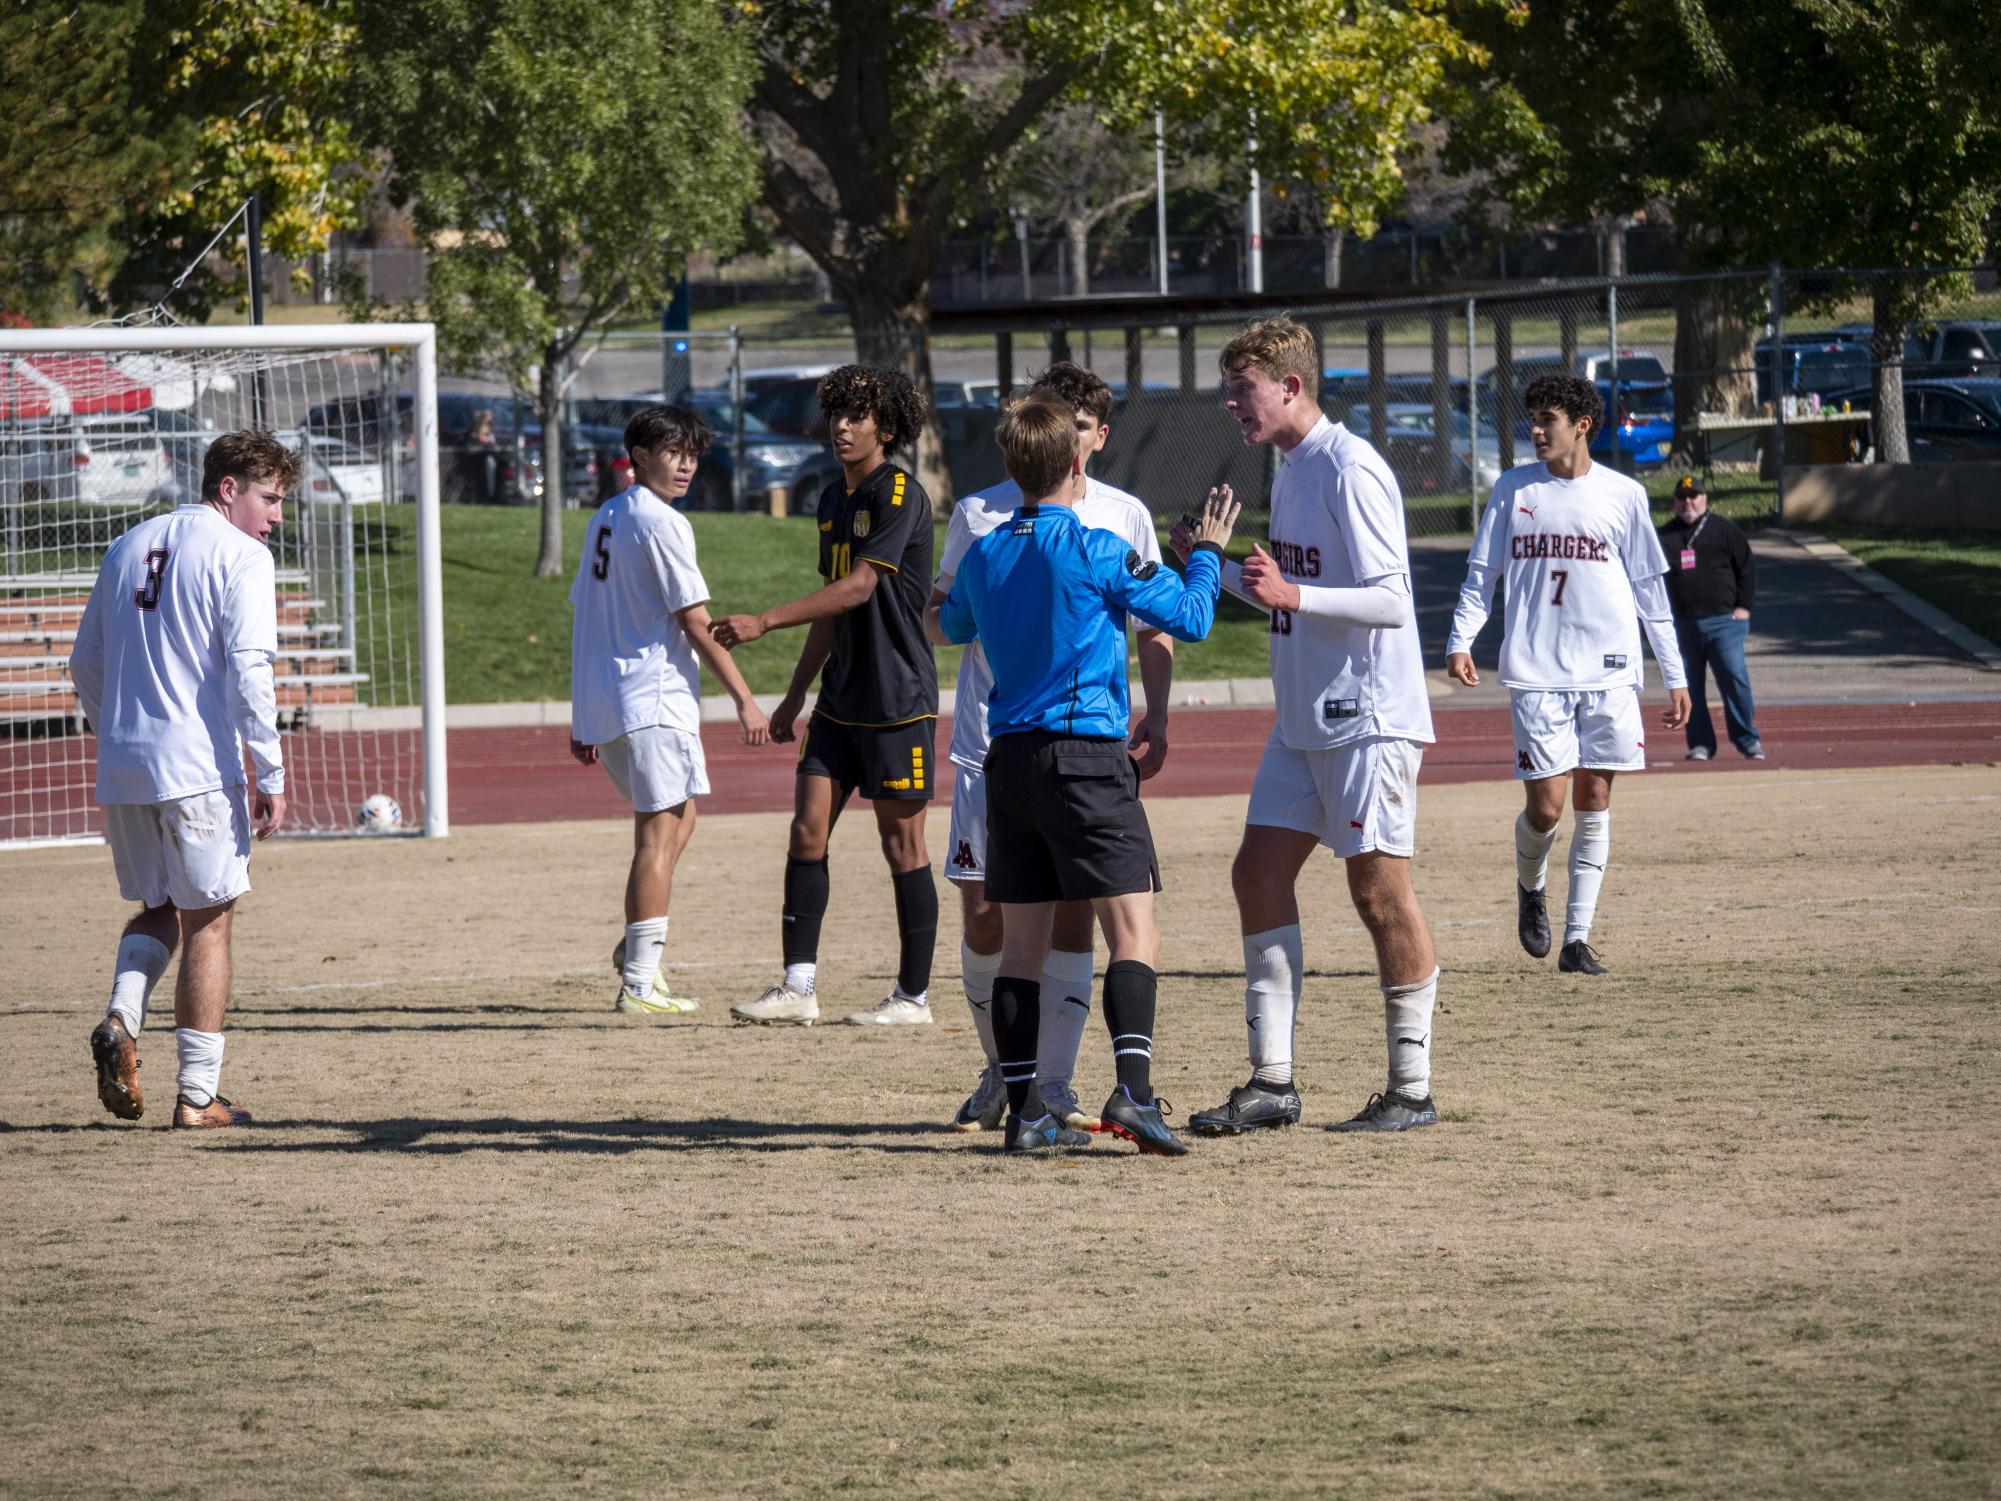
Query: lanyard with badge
(1688,547)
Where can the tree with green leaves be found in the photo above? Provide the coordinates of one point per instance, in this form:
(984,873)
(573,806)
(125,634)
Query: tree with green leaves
(561,159)
(884,123)
(1808,132)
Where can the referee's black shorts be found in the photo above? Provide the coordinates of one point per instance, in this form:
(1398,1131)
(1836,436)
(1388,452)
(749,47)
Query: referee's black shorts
(1064,821)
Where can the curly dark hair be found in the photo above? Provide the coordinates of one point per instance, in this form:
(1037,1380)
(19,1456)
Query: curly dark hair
(1070,382)
(675,429)
(871,391)
(1572,395)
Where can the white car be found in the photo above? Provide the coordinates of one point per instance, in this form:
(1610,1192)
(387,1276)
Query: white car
(331,471)
(120,461)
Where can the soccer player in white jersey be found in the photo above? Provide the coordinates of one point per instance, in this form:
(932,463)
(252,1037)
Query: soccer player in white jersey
(173,664)
(1584,571)
(638,639)
(1340,768)
(1067,970)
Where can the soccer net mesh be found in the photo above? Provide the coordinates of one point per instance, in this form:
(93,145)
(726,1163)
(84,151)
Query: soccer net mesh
(94,439)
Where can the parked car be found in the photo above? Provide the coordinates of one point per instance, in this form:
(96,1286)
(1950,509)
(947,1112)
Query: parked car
(332,471)
(966,393)
(1409,447)
(791,407)
(120,461)
(1951,348)
(771,460)
(1947,420)
(186,439)
(1822,360)
(1639,433)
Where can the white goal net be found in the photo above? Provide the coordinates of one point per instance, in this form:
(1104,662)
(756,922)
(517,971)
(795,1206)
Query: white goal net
(103,427)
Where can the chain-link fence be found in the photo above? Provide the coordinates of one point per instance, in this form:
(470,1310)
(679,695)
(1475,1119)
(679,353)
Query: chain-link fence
(1735,375)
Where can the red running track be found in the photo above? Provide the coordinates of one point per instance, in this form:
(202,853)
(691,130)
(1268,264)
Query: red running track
(527,776)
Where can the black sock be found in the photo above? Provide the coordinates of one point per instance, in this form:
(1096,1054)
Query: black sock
(916,928)
(1129,993)
(1017,1013)
(805,905)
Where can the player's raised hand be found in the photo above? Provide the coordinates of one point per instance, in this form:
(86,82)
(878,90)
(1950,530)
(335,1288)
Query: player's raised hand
(1459,667)
(270,811)
(756,728)
(733,630)
(782,717)
(585,755)
(1181,540)
(1678,709)
(1264,583)
(1219,517)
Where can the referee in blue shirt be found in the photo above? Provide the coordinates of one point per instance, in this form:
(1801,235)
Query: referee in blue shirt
(1048,599)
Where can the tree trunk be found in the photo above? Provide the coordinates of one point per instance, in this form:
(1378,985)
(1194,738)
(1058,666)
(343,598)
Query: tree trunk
(895,333)
(1712,362)
(1886,348)
(1336,241)
(1079,231)
(549,403)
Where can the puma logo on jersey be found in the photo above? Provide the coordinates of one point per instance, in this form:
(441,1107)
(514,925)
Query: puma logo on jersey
(1526,511)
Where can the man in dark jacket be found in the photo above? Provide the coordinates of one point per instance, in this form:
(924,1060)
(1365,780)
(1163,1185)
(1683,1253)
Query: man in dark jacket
(1711,577)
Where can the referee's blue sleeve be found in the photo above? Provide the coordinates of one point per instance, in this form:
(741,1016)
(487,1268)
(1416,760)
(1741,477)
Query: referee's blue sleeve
(955,616)
(1184,608)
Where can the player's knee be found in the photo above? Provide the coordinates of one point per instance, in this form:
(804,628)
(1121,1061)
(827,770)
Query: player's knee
(1071,931)
(982,925)
(806,841)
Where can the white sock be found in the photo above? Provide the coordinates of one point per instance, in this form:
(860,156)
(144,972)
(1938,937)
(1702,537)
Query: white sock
(1407,1020)
(799,978)
(922,998)
(1590,849)
(1274,967)
(1066,1007)
(141,962)
(201,1063)
(644,941)
(979,971)
(1532,853)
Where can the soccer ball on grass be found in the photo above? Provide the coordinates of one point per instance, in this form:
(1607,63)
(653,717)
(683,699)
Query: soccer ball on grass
(379,813)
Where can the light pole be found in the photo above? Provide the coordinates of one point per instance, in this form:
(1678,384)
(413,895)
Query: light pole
(1160,194)
(1254,217)
(1020,217)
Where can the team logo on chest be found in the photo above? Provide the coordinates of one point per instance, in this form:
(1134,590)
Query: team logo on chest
(860,525)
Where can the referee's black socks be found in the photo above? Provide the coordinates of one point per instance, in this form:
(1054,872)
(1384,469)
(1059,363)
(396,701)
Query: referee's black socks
(1017,1014)
(1129,996)
(805,906)
(916,928)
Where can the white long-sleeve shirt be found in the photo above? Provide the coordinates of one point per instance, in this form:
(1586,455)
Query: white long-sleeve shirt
(173,660)
(1584,571)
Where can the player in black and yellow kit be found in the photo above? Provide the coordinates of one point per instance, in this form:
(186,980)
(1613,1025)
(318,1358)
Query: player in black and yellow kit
(874,728)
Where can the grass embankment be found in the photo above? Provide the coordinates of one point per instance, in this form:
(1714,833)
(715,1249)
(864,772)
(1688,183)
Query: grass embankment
(1960,572)
(507,633)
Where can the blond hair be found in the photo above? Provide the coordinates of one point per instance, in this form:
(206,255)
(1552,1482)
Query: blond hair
(1038,442)
(1278,347)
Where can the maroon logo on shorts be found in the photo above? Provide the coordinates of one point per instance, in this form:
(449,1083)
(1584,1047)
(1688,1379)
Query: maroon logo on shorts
(963,856)
(1523,762)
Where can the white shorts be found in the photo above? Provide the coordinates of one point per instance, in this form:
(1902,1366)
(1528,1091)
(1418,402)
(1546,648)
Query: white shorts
(1353,798)
(656,767)
(193,851)
(967,859)
(1556,733)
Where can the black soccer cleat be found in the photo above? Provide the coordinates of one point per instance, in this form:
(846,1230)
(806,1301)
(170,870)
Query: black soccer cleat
(1532,921)
(1579,958)
(1040,1136)
(1250,1107)
(1391,1112)
(1141,1125)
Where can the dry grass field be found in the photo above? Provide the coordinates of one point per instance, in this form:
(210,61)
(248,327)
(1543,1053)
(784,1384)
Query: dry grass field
(1722,1224)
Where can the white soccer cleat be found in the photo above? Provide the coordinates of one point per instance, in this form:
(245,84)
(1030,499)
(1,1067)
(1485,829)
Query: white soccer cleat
(779,1007)
(891,1011)
(661,1002)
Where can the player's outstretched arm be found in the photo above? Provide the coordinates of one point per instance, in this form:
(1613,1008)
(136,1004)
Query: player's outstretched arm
(695,622)
(825,603)
(1185,610)
(812,657)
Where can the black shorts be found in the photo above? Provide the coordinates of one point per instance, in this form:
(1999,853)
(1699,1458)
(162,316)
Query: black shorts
(1064,821)
(877,761)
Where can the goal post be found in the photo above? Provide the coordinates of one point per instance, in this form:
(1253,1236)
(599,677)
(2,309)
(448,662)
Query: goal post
(103,427)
